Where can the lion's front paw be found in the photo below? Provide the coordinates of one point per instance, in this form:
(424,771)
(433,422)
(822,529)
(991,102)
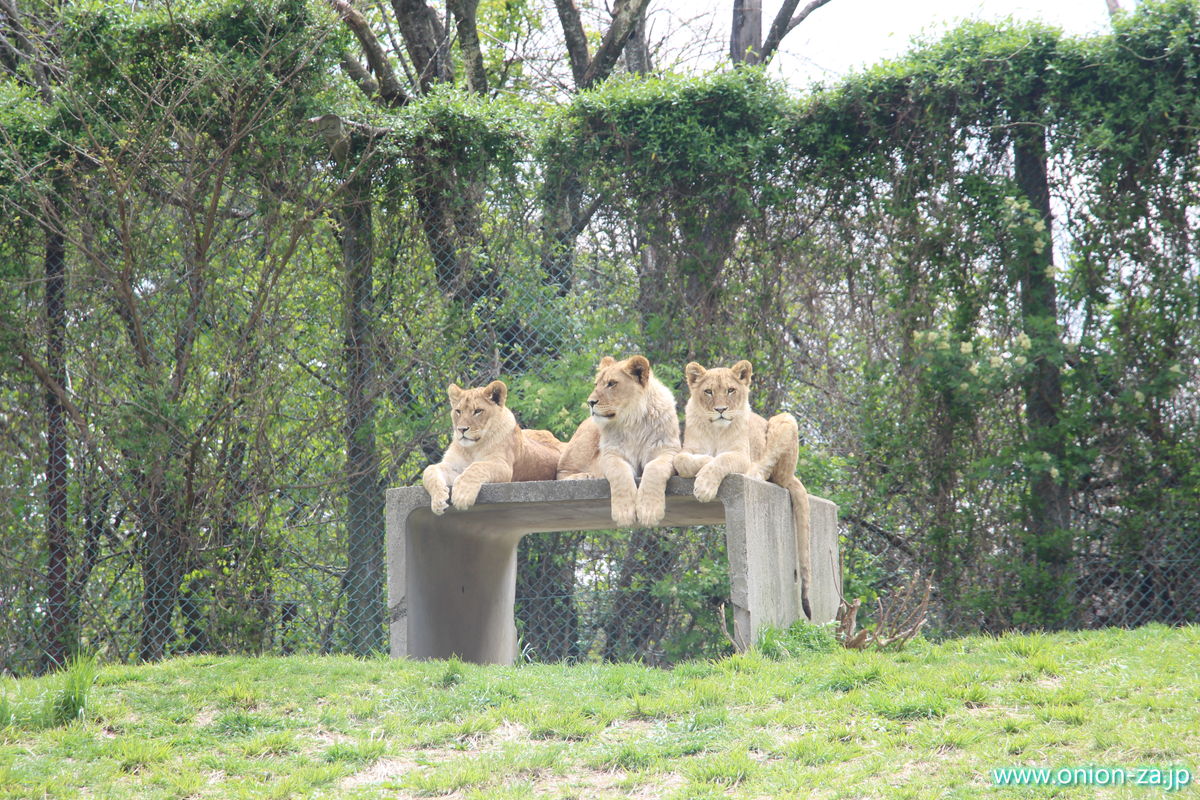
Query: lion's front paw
(578,476)
(439,499)
(707,484)
(651,508)
(760,471)
(687,465)
(624,514)
(465,493)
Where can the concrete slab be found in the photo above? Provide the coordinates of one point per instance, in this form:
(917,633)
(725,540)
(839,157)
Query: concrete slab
(452,579)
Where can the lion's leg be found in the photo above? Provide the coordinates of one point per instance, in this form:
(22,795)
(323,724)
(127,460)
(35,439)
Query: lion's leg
(687,465)
(622,488)
(579,476)
(652,493)
(437,480)
(466,488)
(708,481)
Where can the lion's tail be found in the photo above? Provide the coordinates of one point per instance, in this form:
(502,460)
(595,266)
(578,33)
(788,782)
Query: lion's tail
(800,517)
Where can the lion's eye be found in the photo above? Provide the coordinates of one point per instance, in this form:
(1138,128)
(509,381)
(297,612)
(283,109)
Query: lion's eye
(456,412)
(610,384)
(730,390)
(478,411)
(708,392)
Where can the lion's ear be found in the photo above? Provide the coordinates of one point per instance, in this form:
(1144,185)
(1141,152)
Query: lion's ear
(743,371)
(454,391)
(639,368)
(497,392)
(694,372)
(607,361)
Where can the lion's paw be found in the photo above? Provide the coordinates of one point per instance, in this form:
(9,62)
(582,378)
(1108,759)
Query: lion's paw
(465,493)
(707,484)
(439,500)
(760,471)
(651,509)
(687,465)
(624,515)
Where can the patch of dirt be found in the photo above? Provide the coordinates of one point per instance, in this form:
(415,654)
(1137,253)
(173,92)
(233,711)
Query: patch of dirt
(652,791)
(385,769)
(602,783)
(330,737)
(507,732)
(205,717)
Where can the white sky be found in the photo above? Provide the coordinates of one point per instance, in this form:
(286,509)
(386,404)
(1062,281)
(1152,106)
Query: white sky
(849,34)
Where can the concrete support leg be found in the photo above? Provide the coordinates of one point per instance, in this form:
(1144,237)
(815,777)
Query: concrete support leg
(452,578)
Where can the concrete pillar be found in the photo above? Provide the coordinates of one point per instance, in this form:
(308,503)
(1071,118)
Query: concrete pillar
(452,579)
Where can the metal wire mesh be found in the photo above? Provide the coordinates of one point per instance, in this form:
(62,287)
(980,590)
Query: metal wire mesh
(241,509)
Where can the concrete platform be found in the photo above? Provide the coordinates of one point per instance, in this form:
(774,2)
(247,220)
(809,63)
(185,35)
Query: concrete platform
(452,579)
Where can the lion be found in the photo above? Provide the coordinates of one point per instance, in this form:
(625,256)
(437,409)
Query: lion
(487,446)
(633,429)
(722,435)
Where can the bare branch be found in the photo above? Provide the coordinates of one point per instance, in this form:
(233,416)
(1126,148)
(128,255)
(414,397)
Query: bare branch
(897,622)
(390,90)
(27,49)
(626,13)
(892,538)
(784,24)
(468,42)
(738,646)
(426,40)
(577,49)
(362,77)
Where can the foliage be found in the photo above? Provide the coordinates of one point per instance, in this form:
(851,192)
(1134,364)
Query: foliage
(870,246)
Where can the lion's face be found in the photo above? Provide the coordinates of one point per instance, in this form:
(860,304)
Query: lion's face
(474,412)
(620,388)
(723,394)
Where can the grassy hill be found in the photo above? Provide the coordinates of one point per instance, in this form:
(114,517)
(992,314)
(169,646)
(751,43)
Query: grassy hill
(930,721)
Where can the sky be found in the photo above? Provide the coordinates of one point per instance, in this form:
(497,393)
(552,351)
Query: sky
(846,35)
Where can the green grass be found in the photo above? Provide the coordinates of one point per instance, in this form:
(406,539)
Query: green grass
(794,718)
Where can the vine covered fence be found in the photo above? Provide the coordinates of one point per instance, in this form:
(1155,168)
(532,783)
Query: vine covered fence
(236,288)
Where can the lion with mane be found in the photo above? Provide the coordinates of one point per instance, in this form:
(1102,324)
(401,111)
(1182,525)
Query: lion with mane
(633,430)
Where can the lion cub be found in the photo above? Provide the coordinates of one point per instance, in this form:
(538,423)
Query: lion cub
(633,430)
(488,446)
(722,435)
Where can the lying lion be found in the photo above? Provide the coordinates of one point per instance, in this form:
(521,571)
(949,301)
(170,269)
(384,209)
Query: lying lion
(722,435)
(487,446)
(632,430)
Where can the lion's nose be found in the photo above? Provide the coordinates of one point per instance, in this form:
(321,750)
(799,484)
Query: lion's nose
(463,430)
(720,410)
(592,403)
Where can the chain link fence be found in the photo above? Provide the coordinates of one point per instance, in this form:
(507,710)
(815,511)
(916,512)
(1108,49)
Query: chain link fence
(220,350)
(249,520)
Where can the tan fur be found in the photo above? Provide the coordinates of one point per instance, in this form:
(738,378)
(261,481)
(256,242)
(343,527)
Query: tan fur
(633,430)
(723,435)
(487,446)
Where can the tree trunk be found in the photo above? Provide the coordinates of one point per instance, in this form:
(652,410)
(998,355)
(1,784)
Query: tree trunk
(162,557)
(61,635)
(637,618)
(546,596)
(364,494)
(1048,545)
(745,38)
